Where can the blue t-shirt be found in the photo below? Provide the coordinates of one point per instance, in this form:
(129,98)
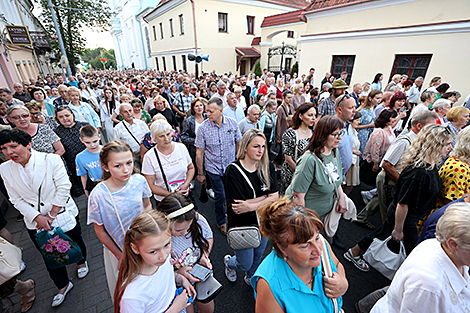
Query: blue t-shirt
(345,147)
(89,163)
(129,204)
(291,293)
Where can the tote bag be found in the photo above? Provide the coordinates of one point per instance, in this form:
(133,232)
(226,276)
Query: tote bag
(380,257)
(57,248)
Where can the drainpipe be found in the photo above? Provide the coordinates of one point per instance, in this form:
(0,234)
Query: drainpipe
(195,35)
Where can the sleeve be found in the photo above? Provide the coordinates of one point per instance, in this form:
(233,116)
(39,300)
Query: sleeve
(94,116)
(238,135)
(321,107)
(206,229)
(132,306)
(233,185)
(146,192)
(94,208)
(102,112)
(185,135)
(148,167)
(273,177)
(409,186)
(304,174)
(199,142)
(396,151)
(422,300)
(81,170)
(455,178)
(377,141)
(262,122)
(288,142)
(61,180)
(116,132)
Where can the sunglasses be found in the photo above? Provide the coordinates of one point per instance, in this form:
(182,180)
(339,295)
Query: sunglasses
(346,96)
(17,117)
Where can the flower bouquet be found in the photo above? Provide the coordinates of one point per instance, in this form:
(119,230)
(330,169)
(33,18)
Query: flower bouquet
(57,248)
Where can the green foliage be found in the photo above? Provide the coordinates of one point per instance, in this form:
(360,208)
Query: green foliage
(258,72)
(92,57)
(71,24)
(295,68)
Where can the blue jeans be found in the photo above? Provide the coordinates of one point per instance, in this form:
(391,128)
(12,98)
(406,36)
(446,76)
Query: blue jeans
(248,260)
(219,192)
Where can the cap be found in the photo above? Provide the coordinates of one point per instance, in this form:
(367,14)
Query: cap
(339,83)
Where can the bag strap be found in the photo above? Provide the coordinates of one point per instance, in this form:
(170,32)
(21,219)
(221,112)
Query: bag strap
(138,143)
(115,209)
(244,175)
(296,145)
(330,179)
(161,169)
(328,271)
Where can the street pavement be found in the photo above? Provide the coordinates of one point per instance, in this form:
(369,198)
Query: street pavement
(91,293)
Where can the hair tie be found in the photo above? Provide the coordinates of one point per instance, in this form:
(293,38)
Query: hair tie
(181,211)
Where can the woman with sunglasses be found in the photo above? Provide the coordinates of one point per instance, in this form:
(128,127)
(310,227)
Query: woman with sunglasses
(43,138)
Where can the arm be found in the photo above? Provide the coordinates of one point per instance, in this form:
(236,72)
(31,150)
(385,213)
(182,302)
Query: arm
(337,285)
(342,206)
(243,206)
(185,135)
(83,179)
(290,162)
(143,151)
(200,165)
(184,188)
(265,300)
(390,170)
(400,216)
(147,204)
(159,191)
(58,147)
(298,197)
(114,117)
(237,146)
(105,239)
(370,125)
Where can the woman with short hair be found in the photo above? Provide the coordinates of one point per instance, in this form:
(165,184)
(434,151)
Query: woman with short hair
(139,112)
(39,95)
(298,97)
(83,111)
(457,118)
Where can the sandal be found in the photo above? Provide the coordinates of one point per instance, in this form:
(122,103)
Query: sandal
(27,300)
(356,260)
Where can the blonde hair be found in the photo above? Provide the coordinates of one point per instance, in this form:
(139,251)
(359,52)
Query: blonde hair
(461,150)
(237,88)
(263,164)
(297,87)
(427,148)
(115,146)
(124,96)
(152,223)
(456,113)
(74,89)
(455,223)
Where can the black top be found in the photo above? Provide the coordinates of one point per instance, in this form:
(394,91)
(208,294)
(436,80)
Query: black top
(247,94)
(236,187)
(170,117)
(418,188)
(70,138)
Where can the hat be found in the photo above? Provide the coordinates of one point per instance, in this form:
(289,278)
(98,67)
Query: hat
(339,83)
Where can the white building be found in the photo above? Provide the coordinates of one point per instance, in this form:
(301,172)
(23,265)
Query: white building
(130,33)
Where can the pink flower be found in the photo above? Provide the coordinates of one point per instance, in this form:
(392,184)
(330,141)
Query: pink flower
(48,247)
(62,245)
(53,240)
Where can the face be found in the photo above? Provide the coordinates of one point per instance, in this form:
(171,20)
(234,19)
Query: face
(18,88)
(221,89)
(445,109)
(6,96)
(399,103)
(38,96)
(63,92)
(447,148)
(377,99)
(334,138)
(288,98)
(16,152)
(120,165)
(213,112)
(358,89)
(355,123)
(255,149)
(127,112)
(3,108)
(74,97)
(198,107)
(154,250)
(271,109)
(159,105)
(20,118)
(91,143)
(109,94)
(231,100)
(463,120)
(305,255)
(137,110)
(300,90)
(348,109)
(254,115)
(36,116)
(243,81)
(186,88)
(60,79)
(66,118)
(163,139)
(180,229)
(338,92)
(308,118)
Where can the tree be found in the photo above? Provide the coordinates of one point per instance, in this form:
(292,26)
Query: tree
(92,57)
(295,68)
(258,72)
(72,22)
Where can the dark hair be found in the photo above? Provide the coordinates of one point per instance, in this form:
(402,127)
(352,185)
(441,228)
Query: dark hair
(324,127)
(285,93)
(384,117)
(357,115)
(442,88)
(396,97)
(193,103)
(6,90)
(376,78)
(111,103)
(449,94)
(302,109)
(176,201)
(44,93)
(407,83)
(88,131)
(15,135)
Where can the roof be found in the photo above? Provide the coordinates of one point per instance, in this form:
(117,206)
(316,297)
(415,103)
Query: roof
(247,52)
(283,18)
(320,5)
(256,41)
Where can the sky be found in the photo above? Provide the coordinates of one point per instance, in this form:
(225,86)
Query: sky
(97,39)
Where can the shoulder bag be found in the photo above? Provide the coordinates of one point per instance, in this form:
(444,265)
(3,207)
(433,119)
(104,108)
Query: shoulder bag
(384,260)
(128,130)
(327,270)
(161,169)
(178,117)
(10,261)
(244,237)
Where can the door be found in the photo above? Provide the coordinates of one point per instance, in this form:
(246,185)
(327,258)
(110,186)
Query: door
(243,67)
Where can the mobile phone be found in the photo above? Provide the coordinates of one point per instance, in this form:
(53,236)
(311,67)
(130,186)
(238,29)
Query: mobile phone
(200,272)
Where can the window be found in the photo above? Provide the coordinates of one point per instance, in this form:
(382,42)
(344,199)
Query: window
(181,25)
(161,30)
(147,41)
(174,62)
(342,63)
(156,63)
(250,25)
(183,58)
(411,65)
(171,27)
(223,23)
(154,33)
(164,63)
(288,63)
(290,34)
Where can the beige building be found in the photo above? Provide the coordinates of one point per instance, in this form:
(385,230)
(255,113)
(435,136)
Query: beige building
(222,29)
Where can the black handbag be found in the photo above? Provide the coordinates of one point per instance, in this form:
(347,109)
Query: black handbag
(274,151)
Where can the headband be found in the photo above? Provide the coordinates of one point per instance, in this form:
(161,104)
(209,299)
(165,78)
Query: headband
(181,211)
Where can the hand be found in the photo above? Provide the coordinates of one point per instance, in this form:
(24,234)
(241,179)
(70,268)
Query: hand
(183,282)
(375,168)
(181,302)
(201,179)
(241,206)
(204,261)
(401,115)
(184,192)
(397,235)
(357,152)
(342,206)
(183,271)
(43,222)
(278,141)
(335,286)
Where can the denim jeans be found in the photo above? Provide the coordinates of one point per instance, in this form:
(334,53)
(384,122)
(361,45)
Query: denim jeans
(219,192)
(248,260)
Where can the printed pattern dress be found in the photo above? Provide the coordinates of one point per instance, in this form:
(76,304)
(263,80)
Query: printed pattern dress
(288,148)
(363,134)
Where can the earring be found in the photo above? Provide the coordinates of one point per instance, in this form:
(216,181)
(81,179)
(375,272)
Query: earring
(285,258)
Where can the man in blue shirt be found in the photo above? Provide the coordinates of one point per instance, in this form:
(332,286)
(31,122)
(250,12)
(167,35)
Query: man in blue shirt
(233,110)
(345,111)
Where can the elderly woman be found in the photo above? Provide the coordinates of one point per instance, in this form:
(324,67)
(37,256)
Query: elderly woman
(191,125)
(298,97)
(415,192)
(457,118)
(366,125)
(43,138)
(241,101)
(69,133)
(139,113)
(290,278)
(159,103)
(83,111)
(434,278)
(167,166)
(39,95)
(441,107)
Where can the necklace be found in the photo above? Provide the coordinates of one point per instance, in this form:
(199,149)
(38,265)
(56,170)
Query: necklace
(326,156)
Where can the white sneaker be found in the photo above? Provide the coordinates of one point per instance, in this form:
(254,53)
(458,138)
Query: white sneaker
(211,193)
(23,266)
(247,280)
(229,273)
(59,298)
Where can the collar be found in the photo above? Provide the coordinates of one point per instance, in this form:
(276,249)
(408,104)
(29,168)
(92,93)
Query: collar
(250,122)
(456,280)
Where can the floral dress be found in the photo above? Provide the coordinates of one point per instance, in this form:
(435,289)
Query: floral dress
(288,147)
(363,134)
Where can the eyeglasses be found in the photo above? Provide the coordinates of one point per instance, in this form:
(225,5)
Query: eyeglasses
(346,96)
(35,114)
(340,134)
(17,117)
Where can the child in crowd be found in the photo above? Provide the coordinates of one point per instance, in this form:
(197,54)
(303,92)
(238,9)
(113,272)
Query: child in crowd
(88,161)
(115,202)
(191,239)
(146,280)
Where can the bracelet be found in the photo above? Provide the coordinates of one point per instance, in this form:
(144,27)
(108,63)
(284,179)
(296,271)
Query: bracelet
(53,217)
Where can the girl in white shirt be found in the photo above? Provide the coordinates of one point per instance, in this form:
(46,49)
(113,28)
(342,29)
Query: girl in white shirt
(146,281)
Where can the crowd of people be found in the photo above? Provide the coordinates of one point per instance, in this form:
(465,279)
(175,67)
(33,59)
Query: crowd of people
(278,155)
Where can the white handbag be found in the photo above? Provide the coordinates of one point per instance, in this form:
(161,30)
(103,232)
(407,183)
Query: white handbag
(380,257)
(10,260)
